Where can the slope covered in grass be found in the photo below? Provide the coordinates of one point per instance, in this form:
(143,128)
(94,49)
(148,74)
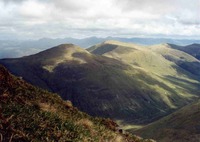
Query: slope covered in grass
(28,113)
(159,59)
(136,55)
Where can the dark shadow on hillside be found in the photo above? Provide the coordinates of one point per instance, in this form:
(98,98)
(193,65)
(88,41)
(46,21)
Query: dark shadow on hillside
(193,49)
(188,69)
(100,60)
(192,67)
(104,49)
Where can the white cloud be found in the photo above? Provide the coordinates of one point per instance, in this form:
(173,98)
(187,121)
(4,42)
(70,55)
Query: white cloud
(33,9)
(81,18)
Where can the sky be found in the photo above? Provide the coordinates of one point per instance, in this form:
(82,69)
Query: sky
(34,19)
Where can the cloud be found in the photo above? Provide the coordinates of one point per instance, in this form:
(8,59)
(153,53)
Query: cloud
(12,1)
(82,18)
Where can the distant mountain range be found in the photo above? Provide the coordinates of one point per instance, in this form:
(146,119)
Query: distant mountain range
(19,48)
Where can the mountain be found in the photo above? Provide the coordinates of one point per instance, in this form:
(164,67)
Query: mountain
(170,66)
(180,126)
(124,87)
(159,59)
(19,48)
(32,114)
(136,55)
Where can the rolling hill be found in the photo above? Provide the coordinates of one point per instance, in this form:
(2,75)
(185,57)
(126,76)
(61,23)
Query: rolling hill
(28,113)
(180,126)
(126,82)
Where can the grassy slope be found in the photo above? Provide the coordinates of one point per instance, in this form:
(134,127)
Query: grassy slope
(158,59)
(28,113)
(135,55)
(180,126)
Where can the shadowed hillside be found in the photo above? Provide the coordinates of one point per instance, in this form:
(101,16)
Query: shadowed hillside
(180,126)
(28,113)
(193,49)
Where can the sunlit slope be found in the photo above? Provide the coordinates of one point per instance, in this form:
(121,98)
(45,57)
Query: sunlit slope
(137,55)
(181,126)
(159,59)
